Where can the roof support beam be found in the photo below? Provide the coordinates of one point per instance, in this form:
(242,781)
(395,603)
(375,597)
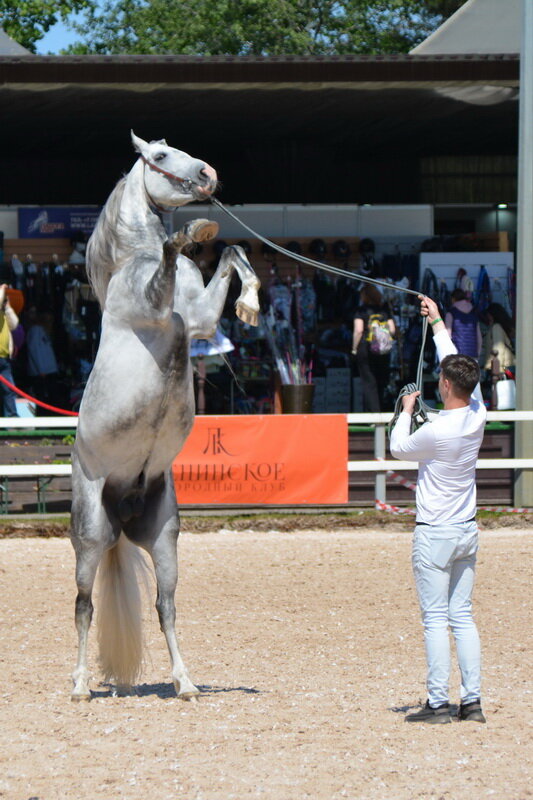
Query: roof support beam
(524,289)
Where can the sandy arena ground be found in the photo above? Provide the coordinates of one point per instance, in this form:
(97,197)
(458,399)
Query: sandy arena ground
(308,649)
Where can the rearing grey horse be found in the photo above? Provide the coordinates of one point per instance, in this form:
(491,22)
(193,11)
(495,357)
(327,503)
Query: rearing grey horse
(138,406)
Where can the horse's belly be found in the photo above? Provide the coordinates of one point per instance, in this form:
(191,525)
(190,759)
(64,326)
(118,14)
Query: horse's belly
(131,450)
(135,426)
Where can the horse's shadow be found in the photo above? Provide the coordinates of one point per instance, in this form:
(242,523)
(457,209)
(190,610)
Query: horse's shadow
(166,691)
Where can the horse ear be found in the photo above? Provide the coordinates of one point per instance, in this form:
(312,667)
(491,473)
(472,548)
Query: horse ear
(139,144)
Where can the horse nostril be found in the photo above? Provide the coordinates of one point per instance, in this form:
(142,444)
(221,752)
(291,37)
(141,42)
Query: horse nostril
(209,173)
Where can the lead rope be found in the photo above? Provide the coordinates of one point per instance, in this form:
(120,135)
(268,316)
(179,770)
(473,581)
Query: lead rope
(420,413)
(421,410)
(311,262)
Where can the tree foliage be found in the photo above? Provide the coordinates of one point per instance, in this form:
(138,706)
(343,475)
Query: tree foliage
(27,21)
(240,27)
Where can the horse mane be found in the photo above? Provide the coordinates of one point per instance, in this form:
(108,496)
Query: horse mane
(112,243)
(101,258)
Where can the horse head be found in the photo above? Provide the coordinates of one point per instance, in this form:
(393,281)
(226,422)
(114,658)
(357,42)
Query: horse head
(173,178)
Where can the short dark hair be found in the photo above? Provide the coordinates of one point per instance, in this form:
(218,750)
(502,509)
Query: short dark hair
(462,372)
(371,296)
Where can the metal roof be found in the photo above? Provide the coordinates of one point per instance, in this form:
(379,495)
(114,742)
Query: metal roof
(280,129)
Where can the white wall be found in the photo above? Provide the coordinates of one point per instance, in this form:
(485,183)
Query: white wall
(316,220)
(395,221)
(9,221)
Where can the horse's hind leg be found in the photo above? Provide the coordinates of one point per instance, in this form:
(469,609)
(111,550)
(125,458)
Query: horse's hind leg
(91,534)
(86,566)
(157,531)
(165,564)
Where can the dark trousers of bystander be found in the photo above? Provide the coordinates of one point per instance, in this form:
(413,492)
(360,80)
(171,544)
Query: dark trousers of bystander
(8,396)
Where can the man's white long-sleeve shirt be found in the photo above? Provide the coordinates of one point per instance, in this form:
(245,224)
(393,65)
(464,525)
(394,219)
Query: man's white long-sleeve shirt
(446,449)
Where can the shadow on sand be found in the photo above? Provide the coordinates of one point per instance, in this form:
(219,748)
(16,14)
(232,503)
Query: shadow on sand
(165,690)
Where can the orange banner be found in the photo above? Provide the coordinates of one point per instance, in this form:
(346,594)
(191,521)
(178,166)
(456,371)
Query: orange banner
(280,459)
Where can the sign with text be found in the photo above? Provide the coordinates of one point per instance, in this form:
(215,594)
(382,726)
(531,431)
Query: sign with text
(278,459)
(56,223)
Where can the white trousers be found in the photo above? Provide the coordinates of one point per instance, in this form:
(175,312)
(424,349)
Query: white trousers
(444,561)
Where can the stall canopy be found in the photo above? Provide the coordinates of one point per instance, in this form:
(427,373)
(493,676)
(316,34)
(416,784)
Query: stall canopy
(479,26)
(285,129)
(9,47)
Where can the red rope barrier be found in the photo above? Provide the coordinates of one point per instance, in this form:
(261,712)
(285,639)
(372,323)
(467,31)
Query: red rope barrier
(38,402)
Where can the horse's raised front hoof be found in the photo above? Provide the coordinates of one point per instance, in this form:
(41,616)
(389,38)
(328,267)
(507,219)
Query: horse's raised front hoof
(246,314)
(201,230)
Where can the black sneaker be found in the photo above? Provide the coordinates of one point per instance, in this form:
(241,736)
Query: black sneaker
(435,716)
(471,712)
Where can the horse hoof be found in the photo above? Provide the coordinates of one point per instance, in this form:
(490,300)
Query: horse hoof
(81,698)
(189,697)
(201,230)
(246,314)
(189,691)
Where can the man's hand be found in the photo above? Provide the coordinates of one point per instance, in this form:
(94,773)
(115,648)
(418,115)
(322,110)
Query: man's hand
(408,402)
(428,308)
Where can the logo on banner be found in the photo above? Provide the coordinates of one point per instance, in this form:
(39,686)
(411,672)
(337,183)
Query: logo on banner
(214,444)
(56,222)
(41,224)
(224,470)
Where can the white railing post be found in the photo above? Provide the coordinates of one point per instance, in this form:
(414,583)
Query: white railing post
(523,480)
(380,453)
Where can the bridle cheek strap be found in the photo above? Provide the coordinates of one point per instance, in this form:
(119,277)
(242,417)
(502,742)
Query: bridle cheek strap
(165,173)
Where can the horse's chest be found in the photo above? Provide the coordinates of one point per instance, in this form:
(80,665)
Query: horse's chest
(145,377)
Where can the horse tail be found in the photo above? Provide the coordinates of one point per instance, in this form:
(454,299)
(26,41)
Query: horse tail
(119,628)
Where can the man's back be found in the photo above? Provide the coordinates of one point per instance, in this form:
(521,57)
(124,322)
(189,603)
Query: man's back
(446,449)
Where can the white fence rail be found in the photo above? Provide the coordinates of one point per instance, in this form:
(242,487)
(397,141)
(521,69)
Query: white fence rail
(380,464)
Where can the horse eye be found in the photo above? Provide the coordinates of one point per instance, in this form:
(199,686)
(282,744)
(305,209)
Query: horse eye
(160,157)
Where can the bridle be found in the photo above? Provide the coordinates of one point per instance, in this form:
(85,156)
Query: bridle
(186,182)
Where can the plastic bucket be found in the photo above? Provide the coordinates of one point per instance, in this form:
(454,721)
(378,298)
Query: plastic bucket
(297,398)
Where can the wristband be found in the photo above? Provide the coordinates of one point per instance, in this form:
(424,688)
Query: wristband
(435,321)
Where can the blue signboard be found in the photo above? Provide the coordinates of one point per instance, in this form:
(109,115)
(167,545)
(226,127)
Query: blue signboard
(56,223)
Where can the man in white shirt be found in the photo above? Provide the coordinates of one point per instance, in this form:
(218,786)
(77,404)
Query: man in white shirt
(446,538)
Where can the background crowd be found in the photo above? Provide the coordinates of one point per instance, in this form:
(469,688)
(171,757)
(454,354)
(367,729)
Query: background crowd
(52,346)
(318,320)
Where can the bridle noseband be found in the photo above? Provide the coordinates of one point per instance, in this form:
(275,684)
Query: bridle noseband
(186,182)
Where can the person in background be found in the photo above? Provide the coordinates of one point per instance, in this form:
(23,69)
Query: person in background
(499,338)
(373,369)
(43,370)
(445,540)
(8,322)
(462,325)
